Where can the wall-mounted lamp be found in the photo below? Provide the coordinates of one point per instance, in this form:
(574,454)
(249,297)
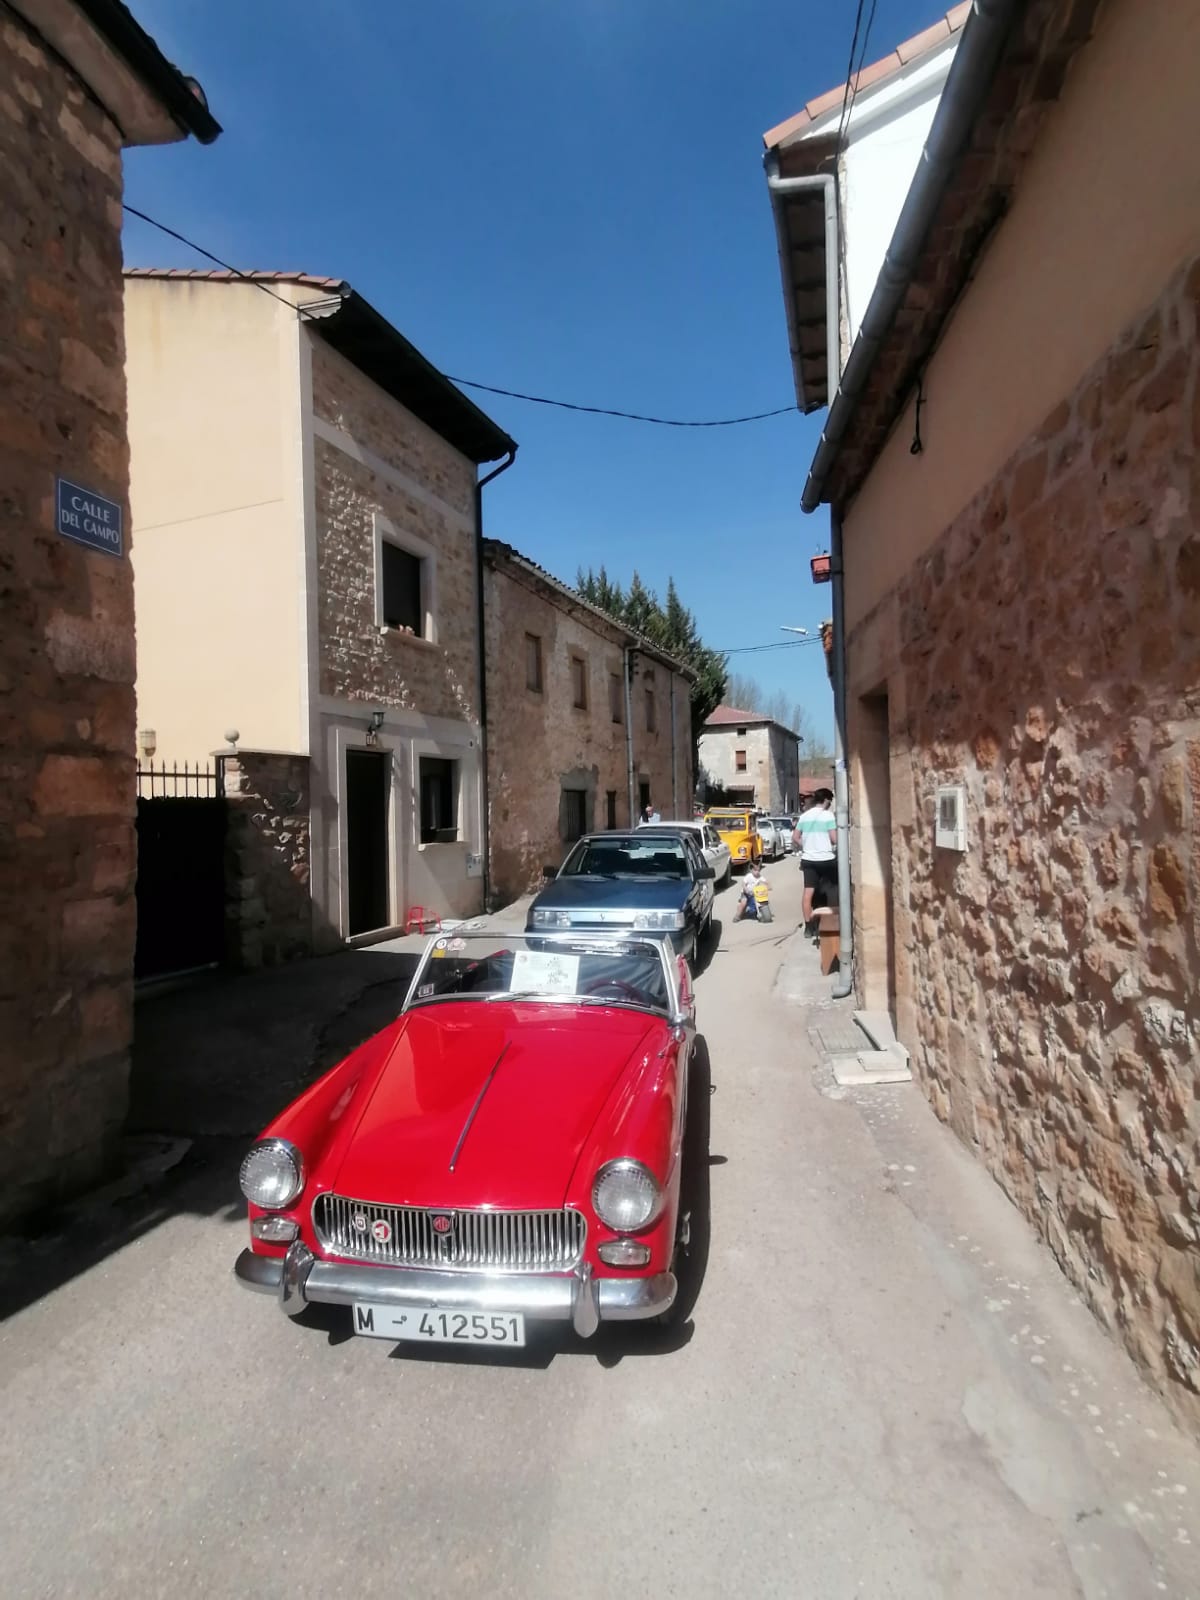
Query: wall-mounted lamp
(147,741)
(373,727)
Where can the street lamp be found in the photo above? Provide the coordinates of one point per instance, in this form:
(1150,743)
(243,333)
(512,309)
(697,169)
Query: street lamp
(783,628)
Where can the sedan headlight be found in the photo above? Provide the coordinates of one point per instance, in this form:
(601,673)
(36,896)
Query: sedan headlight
(272,1174)
(626,1195)
(543,917)
(660,921)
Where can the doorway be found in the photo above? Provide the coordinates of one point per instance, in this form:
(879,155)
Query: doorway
(873,891)
(368,786)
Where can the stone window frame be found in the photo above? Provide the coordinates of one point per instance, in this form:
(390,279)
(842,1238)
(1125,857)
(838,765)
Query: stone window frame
(384,531)
(739,761)
(578,658)
(537,660)
(616,698)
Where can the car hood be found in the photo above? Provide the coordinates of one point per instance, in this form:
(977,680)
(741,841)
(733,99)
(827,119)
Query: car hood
(601,894)
(558,1066)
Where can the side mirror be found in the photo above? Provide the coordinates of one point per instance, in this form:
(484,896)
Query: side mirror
(549,874)
(705,872)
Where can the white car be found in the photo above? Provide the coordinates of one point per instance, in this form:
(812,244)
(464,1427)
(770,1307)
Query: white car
(772,839)
(710,843)
(785,827)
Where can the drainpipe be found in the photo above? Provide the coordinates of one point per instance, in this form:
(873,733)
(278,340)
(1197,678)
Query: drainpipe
(628,655)
(844,987)
(779,187)
(674,773)
(486,808)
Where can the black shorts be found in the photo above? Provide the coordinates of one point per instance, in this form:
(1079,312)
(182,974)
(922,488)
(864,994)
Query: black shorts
(820,874)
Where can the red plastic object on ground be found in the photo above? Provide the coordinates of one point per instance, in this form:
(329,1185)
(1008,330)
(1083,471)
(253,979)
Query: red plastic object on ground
(419,920)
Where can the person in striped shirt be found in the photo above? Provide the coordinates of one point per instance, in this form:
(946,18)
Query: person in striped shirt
(816,839)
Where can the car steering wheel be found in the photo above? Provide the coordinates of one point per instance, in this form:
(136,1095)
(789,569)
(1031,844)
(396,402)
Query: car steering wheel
(627,989)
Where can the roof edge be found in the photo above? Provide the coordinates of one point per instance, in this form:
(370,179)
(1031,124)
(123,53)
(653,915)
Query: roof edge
(985,34)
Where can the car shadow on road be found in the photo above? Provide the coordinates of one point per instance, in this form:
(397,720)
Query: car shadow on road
(707,948)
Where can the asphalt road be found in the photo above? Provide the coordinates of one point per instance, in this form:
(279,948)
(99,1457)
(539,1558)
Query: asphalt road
(885,1390)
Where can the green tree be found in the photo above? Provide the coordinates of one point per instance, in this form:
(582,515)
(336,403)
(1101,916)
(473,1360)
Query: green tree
(672,627)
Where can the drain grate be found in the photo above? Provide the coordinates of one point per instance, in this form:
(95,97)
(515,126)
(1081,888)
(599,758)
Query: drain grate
(841,1039)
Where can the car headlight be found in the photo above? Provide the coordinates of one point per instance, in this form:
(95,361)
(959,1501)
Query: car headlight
(272,1174)
(543,917)
(660,921)
(626,1195)
(741,850)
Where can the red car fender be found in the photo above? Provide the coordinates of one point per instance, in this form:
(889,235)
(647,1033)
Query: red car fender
(642,1121)
(325,1115)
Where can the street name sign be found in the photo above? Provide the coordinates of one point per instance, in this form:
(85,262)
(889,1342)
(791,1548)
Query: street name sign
(90,519)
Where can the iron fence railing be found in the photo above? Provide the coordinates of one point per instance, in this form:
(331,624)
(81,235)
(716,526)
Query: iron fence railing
(191,781)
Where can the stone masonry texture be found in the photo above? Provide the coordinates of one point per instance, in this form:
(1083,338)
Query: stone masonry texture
(1049,978)
(269,915)
(357,662)
(540,743)
(67,802)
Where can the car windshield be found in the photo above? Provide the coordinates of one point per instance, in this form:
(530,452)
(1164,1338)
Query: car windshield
(599,970)
(730,824)
(642,855)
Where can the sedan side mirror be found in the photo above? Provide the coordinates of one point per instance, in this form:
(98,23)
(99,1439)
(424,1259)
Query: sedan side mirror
(549,874)
(705,872)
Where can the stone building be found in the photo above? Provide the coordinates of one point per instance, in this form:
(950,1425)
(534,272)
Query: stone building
(305,490)
(588,721)
(77,84)
(752,760)
(1012,457)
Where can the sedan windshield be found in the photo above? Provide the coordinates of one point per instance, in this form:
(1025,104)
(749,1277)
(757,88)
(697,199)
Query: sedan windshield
(601,970)
(628,857)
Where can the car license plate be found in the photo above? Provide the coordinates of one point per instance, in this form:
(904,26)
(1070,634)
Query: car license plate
(426,1325)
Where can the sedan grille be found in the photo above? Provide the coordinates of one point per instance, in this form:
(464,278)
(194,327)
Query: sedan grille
(417,1236)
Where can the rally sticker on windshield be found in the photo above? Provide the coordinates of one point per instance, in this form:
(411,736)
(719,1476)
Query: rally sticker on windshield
(545,972)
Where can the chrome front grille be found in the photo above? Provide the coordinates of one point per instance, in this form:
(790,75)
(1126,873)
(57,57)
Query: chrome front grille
(419,1236)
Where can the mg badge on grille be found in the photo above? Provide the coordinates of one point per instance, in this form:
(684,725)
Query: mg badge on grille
(442,1222)
(360,1221)
(381,1230)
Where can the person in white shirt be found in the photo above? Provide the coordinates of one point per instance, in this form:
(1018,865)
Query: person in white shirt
(649,817)
(816,839)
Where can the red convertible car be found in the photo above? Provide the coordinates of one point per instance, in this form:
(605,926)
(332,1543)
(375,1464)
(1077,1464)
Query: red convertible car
(509,1151)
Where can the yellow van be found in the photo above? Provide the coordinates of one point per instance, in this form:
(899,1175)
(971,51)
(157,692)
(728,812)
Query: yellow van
(737,829)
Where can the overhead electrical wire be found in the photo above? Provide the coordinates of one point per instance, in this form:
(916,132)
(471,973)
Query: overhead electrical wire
(784,644)
(470,383)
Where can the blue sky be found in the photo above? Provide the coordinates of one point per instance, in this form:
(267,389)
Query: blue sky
(559,196)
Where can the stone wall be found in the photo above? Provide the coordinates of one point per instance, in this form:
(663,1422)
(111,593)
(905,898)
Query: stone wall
(66,642)
(541,743)
(772,766)
(1048,979)
(426,490)
(269,911)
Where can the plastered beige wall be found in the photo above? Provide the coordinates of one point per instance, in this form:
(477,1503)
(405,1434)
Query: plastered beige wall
(1108,204)
(214,422)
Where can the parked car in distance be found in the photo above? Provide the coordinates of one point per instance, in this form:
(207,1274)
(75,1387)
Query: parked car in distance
(638,882)
(736,826)
(712,847)
(772,842)
(513,1149)
(785,827)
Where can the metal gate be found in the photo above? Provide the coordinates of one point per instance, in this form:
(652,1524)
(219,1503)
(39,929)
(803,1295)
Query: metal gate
(181,870)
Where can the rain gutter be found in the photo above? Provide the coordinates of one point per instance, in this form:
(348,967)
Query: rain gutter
(983,38)
(481,644)
(779,188)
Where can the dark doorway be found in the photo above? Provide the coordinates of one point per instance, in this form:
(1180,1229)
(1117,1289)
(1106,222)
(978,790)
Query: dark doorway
(368,774)
(643,794)
(180,883)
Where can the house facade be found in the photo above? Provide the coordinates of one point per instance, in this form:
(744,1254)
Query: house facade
(308,580)
(79,84)
(1013,464)
(588,722)
(753,760)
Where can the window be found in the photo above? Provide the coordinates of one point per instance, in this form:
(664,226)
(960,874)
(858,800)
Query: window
(651,711)
(574,814)
(533,663)
(739,760)
(403,599)
(610,808)
(439,800)
(579,683)
(741,733)
(616,698)
(643,794)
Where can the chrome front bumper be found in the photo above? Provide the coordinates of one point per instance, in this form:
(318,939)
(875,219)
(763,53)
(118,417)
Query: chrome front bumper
(299,1279)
